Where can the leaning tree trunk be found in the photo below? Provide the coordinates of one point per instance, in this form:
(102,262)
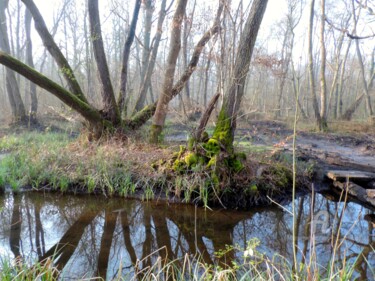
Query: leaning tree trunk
(54,50)
(16,103)
(92,115)
(157,129)
(226,124)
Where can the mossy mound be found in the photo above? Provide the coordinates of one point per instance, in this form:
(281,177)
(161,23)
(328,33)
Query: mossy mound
(205,173)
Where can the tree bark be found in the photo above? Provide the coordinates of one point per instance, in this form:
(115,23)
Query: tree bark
(311,66)
(175,45)
(110,108)
(14,95)
(146,82)
(30,62)
(91,114)
(54,50)
(323,85)
(226,124)
(171,93)
(125,57)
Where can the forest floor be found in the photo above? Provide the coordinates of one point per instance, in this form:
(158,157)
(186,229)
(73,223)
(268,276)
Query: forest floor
(347,145)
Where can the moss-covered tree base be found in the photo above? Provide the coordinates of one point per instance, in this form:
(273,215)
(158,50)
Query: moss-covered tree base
(207,174)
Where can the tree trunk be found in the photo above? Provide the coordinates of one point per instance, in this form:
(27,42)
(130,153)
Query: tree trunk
(169,93)
(16,103)
(110,108)
(146,82)
(323,84)
(175,45)
(147,24)
(91,114)
(311,66)
(226,124)
(125,57)
(30,62)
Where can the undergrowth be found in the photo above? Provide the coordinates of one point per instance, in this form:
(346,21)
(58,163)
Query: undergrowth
(254,265)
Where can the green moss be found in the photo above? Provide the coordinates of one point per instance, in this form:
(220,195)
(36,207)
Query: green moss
(281,176)
(191,143)
(179,165)
(212,147)
(191,159)
(212,162)
(235,164)
(223,131)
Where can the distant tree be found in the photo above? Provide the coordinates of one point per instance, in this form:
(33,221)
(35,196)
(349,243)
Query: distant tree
(12,86)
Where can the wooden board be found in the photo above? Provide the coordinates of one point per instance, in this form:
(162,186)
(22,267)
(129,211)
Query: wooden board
(356,191)
(338,175)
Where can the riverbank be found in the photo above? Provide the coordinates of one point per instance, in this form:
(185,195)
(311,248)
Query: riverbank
(56,161)
(52,160)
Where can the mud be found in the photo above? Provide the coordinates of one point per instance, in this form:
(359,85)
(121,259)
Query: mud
(354,151)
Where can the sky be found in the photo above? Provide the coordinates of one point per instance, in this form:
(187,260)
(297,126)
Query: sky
(275,12)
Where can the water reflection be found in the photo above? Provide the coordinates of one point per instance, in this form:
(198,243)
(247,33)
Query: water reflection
(88,236)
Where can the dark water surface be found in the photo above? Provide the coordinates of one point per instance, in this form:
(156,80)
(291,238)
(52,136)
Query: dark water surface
(93,236)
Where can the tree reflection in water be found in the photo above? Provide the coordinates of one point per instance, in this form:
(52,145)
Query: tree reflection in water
(89,236)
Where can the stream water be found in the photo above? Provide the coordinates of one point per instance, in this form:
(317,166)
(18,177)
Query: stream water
(90,236)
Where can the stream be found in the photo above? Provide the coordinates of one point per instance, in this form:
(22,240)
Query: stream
(94,236)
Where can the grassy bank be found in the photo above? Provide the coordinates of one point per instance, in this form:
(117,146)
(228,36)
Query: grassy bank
(57,162)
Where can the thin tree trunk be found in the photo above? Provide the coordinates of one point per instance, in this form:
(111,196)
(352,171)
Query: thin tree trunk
(147,24)
(125,57)
(146,82)
(206,76)
(311,67)
(110,109)
(159,116)
(30,62)
(323,84)
(17,106)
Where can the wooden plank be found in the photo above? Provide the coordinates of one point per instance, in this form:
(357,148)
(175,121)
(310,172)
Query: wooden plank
(338,175)
(356,191)
(370,193)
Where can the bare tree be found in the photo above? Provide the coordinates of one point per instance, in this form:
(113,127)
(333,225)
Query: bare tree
(14,95)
